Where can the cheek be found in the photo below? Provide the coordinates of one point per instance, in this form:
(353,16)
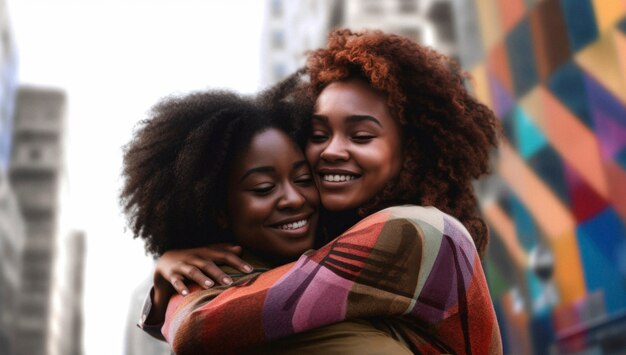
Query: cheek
(249,212)
(393,154)
(312,153)
(311,194)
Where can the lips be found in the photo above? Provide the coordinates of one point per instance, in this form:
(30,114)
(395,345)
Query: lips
(293,224)
(337,175)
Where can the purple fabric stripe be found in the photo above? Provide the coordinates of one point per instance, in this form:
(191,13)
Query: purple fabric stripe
(454,265)
(277,310)
(436,296)
(461,239)
(288,309)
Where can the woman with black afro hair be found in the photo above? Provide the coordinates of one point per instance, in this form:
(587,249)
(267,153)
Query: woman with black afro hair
(394,142)
(216,167)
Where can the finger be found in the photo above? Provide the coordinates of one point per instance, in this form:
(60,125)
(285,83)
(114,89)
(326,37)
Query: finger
(215,273)
(194,274)
(236,262)
(225,255)
(179,285)
(235,249)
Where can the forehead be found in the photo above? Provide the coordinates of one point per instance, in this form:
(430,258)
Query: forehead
(351,97)
(267,148)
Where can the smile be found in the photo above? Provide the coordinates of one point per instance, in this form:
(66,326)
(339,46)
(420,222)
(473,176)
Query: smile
(294,225)
(337,177)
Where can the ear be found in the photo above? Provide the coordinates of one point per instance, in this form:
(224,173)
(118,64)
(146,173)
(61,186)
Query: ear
(221,220)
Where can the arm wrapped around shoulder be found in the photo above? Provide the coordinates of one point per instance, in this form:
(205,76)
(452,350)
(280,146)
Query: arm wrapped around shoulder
(410,263)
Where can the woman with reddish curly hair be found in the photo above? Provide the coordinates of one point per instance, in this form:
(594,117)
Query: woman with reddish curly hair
(447,134)
(395,141)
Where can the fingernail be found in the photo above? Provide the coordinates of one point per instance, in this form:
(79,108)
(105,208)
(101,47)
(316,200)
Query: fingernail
(227,280)
(247,268)
(185,292)
(208,283)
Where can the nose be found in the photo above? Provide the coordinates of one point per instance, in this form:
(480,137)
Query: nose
(291,197)
(335,150)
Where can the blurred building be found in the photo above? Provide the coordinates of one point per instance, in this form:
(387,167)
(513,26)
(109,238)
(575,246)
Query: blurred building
(66,313)
(12,240)
(428,22)
(35,173)
(12,229)
(555,74)
(291,28)
(138,342)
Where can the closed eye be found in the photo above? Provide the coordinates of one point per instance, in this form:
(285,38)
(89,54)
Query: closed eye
(263,189)
(318,136)
(304,179)
(363,138)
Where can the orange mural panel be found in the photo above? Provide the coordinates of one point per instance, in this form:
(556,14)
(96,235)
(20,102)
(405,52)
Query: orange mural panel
(576,144)
(550,214)
(489,22)
(498,64)
(480,85)
(568,273)
(608,13)
(517,325)
(511,12)
(620,47)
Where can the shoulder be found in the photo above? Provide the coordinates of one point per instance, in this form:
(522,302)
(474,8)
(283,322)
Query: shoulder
(430,220)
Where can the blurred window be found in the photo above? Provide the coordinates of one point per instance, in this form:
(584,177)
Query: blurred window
(372,6)
(407,6)
(279,71)
(276,7)
(35,309)
(278,39)
(52,114)
(34,154)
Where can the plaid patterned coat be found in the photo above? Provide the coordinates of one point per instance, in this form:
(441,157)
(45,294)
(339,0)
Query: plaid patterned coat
(414,266)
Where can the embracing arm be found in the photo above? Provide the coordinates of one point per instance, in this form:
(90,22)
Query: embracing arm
(175,268)
(410,262)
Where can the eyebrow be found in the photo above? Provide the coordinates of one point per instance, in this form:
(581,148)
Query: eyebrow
(350,119)
(269,169)
(299,163)
(260,169)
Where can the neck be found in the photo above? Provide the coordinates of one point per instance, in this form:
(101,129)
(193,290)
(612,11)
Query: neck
(336,223)
(269,260)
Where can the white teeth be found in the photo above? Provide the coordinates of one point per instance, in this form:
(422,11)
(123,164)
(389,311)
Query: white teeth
(338,177)
(294,225)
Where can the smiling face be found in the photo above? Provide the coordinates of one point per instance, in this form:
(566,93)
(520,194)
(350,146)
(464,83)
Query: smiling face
(355,145)
(272,199)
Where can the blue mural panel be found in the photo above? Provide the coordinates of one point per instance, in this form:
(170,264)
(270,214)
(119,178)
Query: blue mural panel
(580,20)
(530,139)
(548,165)
(522,58)
(568,85)
(525,227)
(602,244)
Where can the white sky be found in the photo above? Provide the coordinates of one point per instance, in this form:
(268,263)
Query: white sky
(115,59)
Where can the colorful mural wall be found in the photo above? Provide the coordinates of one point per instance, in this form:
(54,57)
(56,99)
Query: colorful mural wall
(554,71)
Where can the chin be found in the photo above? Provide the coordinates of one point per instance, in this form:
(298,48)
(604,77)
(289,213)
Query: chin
(338,204)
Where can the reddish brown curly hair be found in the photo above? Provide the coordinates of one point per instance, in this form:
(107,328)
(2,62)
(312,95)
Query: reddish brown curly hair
(448,134)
